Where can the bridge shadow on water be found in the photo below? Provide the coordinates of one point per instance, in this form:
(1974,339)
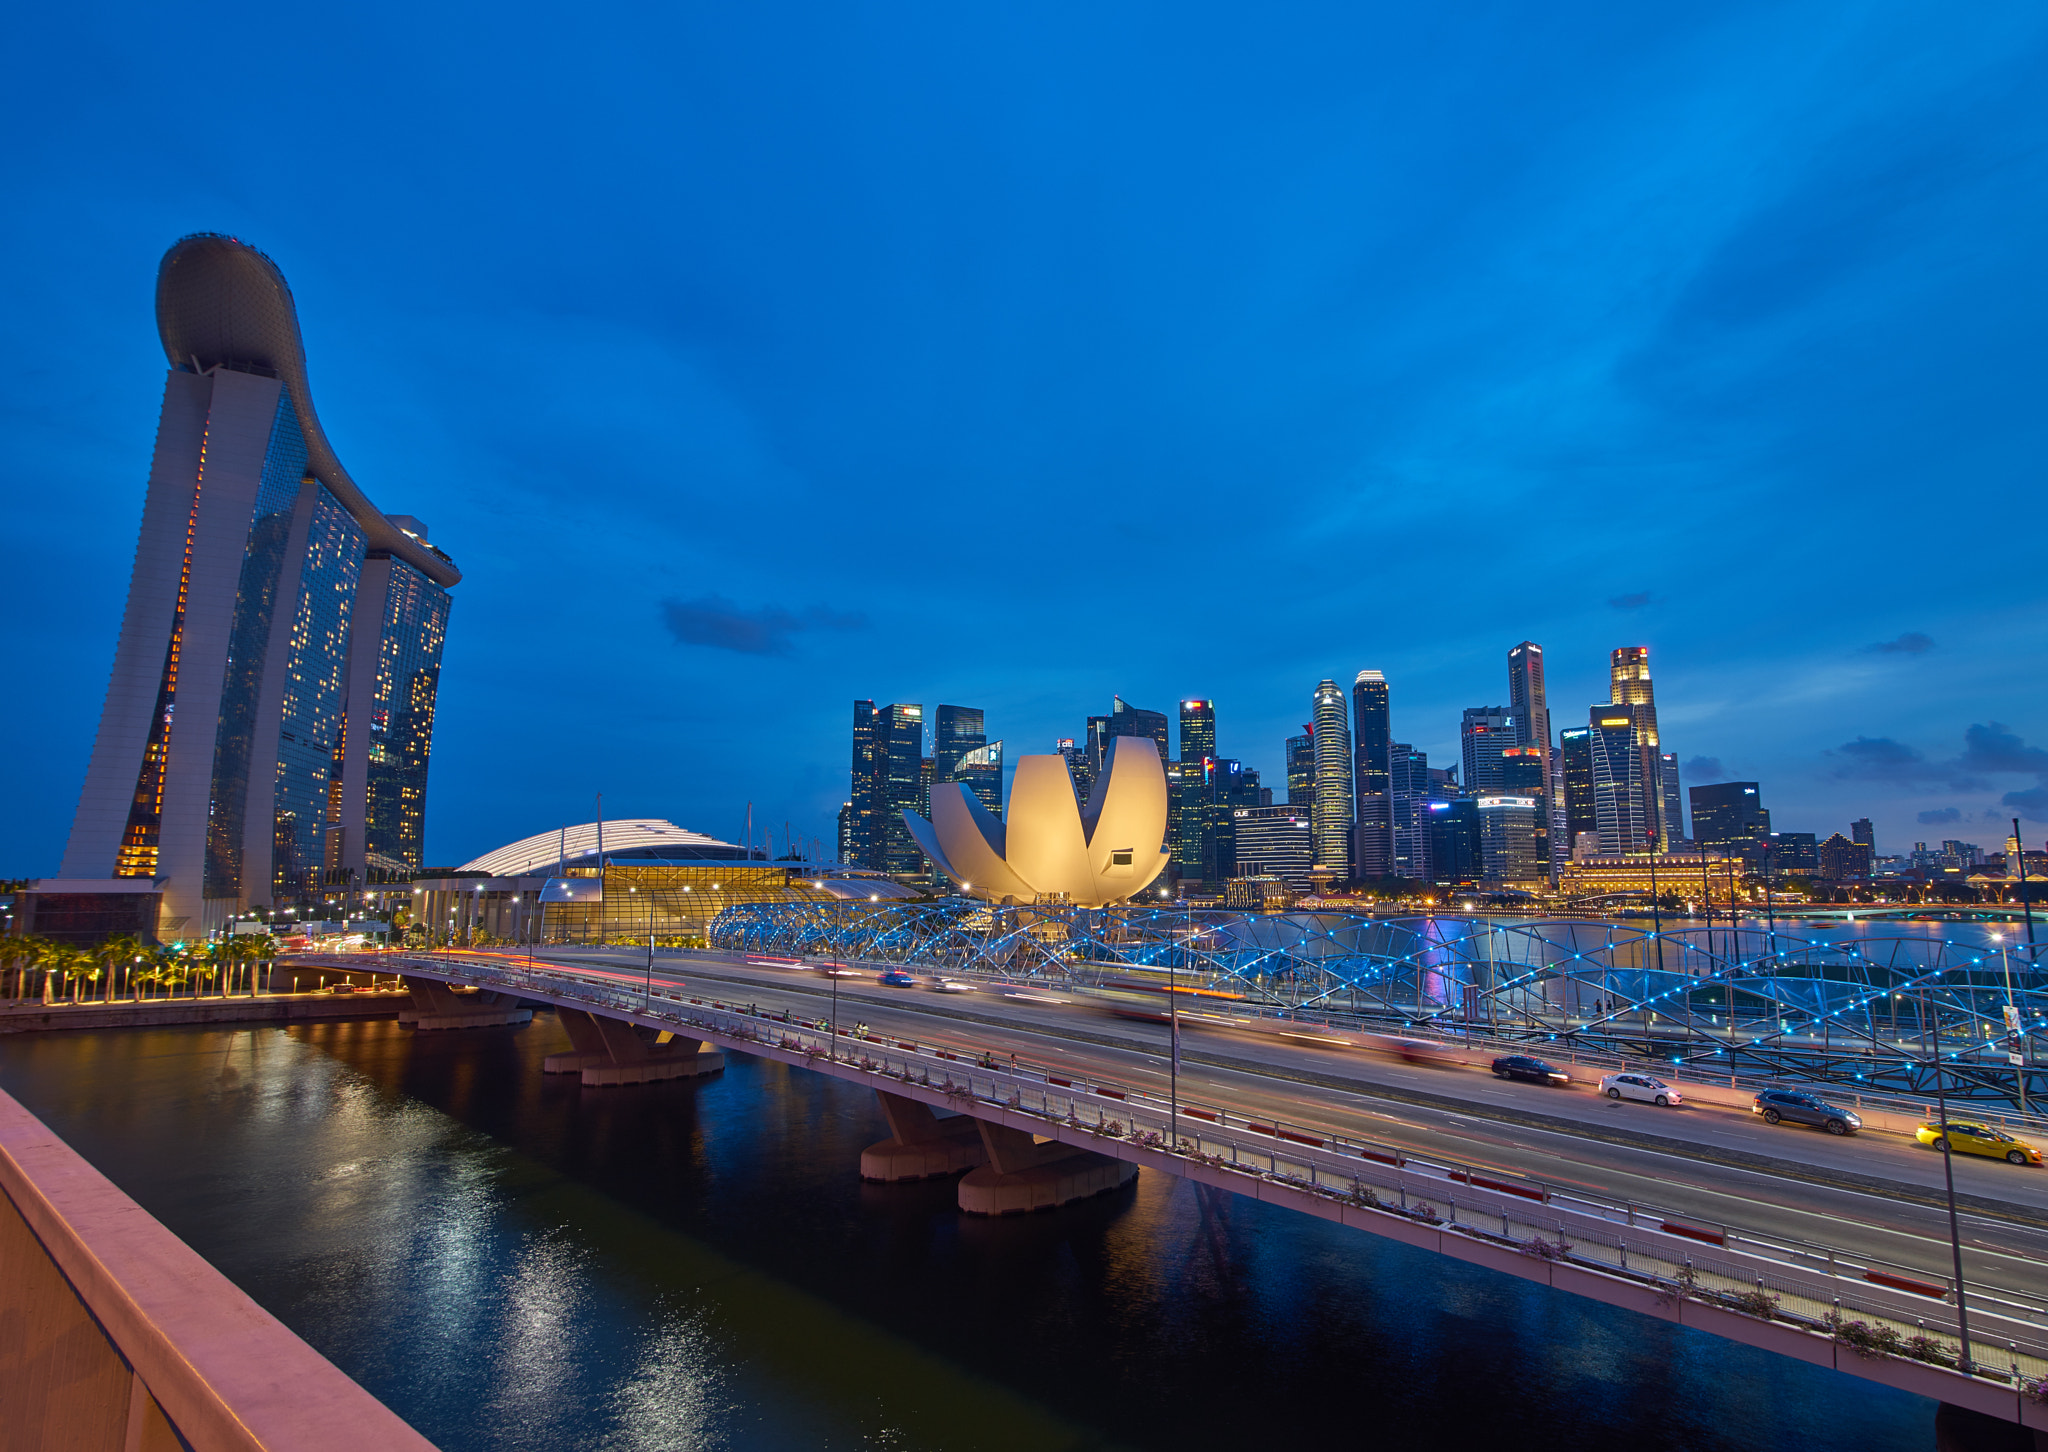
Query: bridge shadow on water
(513,1261)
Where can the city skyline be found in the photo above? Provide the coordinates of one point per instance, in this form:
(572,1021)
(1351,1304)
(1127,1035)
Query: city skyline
(1701,321)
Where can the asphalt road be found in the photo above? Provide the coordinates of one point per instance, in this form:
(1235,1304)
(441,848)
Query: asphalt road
(1873,1195)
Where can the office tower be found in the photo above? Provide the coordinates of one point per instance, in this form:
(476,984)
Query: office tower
(1186,794)
(846,820)
(1408,808)
(956,730)
(1622,810)
(1275,842)
(1629,683)
(1454,840)
(1078,766)
(1861,831)
(1232,785)
(899,785)
(982,771)
(1095,743)
(1522,770)
(1331,808)
(1575,763)
(1301,768)
(1372,808)
(1794,852)
(1512,845)
(1197,731)
(1730,818)
(269,718)
(1128,720)
(1481,735)
(1674,812)
(1527,702)
(864,794)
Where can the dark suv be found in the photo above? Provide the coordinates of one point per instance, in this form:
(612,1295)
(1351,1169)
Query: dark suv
(1777,1105)
(1521,1066)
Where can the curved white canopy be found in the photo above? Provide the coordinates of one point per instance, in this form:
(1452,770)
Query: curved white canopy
(545,850)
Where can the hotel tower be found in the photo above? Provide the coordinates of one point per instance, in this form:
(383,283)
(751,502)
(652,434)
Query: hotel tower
(266,731)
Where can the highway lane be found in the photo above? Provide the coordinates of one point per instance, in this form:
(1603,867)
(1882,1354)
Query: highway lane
(1570,1138)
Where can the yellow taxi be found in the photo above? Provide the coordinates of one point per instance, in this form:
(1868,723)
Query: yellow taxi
(1979,1139)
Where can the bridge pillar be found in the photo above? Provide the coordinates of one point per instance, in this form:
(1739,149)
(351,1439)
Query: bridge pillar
(609,1051)
(1958,1429)
(922,1146)
(1023,1174)
(437,1006)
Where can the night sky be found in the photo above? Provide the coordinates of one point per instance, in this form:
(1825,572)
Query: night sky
(752,358)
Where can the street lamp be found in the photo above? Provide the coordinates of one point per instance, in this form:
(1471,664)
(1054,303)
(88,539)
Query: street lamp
(1955,1234)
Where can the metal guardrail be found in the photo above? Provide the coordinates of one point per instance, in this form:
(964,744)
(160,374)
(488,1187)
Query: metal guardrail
(1816,1286)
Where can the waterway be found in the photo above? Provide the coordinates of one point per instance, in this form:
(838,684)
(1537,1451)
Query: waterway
(511,1261)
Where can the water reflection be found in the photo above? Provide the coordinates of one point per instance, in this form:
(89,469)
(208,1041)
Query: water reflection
(514,1262)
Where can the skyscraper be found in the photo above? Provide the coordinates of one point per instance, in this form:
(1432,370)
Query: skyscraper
(1331,808)
(961,751)
(269,721)
(1575,762)
(1629,683)
(1482,734)
(1860,831)
(1128,720)
(1511,841)
(1197,731)
(1623,799)
(1301,768)
(1408,800)
(1674,811)
(1371,766)
(1078,766)
(1527,701)
(899,786)
(1274,842)
(864,794)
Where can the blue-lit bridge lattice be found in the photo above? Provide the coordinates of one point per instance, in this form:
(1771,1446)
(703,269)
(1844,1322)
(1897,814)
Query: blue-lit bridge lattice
(1885,1005)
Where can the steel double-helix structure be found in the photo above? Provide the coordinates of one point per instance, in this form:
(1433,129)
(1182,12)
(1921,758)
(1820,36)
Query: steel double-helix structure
(1884,1005)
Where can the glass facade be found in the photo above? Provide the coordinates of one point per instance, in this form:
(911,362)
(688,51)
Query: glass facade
(284,473)
(315,698)
(1372,780)
(414,628)
(1197,730)
(1331,809)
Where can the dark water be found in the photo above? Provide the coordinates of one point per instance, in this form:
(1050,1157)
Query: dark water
(512,1261)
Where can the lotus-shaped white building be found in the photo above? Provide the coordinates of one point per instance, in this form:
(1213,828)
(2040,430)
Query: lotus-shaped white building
(1051,848)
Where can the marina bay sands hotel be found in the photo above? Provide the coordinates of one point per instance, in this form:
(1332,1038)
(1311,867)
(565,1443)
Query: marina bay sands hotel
(268,724)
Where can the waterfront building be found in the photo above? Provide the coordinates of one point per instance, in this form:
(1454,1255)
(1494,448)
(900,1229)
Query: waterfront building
(1730,818)
(1629,685)
(1187,792)
(962,752)
(900,785)
(1197,730)
(1301,768)
(1575,767)
(1794,852)
(1331,807)
(1454,854)
(1408,796)
(1371,777)
(1842,860)
(1623,796)
(1513,845)
(1481,735)
(1522,773)
(269,719)
(1127,720)
(1275,842)
(1861,831)
(858,839)
(1695,876)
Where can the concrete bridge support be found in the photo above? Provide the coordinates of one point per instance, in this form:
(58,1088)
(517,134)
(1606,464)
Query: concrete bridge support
(437,1006)
(609,1051)
(921,1146)
(1024,1174)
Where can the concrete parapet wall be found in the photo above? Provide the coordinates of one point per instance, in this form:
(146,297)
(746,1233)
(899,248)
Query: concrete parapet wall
(152,1013)
(116,1335)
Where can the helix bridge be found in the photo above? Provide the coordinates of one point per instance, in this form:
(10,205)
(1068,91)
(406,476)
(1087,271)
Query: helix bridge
(1887,1006)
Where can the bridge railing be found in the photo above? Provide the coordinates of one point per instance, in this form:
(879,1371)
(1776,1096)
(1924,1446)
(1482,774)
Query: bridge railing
(1901,1307)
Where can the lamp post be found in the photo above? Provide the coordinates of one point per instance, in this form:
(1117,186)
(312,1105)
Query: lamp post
(2026,903)
(1955,1235)
(2013,1026)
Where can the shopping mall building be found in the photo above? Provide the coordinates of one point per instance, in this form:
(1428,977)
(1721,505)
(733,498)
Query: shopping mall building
(619,882)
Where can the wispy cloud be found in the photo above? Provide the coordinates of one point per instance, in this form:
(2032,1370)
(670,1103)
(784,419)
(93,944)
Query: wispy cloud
(721,624)
(1911,643)
(1701,770)
(1940,816)
(1989,749)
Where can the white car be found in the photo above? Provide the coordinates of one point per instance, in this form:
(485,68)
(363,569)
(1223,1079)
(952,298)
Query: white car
(952,985)
(1639,1086)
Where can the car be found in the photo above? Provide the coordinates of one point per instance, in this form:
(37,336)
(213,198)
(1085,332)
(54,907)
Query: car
(896,978)
(839,970)
(1979,1139)
(1779,1105)
(1521,1066)
(1639,1086)
(952,985)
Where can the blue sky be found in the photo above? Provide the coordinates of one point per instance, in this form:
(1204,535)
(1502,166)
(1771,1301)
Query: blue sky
(753,358)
